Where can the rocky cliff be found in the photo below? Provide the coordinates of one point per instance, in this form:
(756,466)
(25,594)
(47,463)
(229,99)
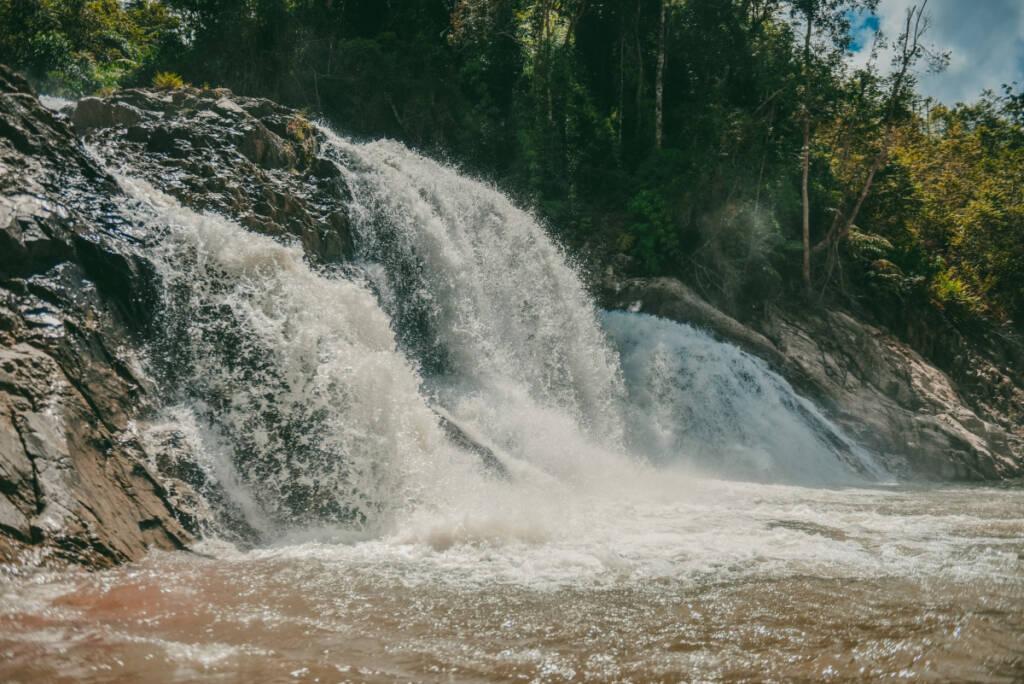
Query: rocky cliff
(74,480)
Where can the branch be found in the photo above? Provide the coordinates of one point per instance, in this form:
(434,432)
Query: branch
(910,40)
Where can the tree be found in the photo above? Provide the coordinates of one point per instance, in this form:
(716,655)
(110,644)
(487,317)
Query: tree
(896,105)
(76,48)
(659,87)
(965,165)
(830,21)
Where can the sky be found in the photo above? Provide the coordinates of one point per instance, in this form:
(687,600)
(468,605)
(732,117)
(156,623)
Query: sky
(985,38)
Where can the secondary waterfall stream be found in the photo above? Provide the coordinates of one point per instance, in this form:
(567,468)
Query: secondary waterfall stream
(655,518)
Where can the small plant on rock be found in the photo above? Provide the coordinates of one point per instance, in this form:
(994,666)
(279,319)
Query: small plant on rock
(301,131)
(299,128)
(168,80)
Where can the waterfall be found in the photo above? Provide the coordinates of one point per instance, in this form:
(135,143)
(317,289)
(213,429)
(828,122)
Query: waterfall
(481,296)
(328,397)
(725,411)
(316,413)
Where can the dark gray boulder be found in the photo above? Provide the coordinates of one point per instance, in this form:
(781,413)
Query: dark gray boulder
(246,158)
(91,113)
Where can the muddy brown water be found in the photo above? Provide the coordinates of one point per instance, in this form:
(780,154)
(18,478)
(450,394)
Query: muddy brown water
(735,582)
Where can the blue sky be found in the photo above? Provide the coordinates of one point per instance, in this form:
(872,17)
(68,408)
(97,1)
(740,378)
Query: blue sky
(862,29)
(985,37)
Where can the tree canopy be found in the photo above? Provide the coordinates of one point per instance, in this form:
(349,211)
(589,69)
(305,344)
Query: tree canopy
(715,140)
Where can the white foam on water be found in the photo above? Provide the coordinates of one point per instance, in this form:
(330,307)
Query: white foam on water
(672,527)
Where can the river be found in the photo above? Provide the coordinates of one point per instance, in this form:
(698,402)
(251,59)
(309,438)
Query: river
(676,579)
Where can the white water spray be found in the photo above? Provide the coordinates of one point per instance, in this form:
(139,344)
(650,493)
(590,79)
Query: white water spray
(321,392)
(481,295)
(297,371)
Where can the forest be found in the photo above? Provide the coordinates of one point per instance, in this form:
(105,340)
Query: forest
(730,143)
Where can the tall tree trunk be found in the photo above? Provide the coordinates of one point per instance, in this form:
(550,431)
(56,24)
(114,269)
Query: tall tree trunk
(638,121)
(840,229)
(805,196)
(805,158)
(622,78)
(659,82)
(546,42)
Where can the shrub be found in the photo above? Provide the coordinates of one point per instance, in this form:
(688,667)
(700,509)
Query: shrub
(655,240)
(950,292)
(167,80)
(301,131)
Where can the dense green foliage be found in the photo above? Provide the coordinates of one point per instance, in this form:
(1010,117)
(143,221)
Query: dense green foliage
(963,229)
(667,131)
(71,47)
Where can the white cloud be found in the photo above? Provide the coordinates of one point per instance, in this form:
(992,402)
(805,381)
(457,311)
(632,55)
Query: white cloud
(985,39)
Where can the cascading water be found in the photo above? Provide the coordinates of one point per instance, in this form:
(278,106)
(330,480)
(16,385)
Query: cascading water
(296,372)
(480,295)
(722,409)
(500,322)
(316,395)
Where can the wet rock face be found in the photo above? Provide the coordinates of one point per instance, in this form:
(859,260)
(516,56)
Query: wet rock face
(74,484)
(246,158)
(888,397)
(891,399)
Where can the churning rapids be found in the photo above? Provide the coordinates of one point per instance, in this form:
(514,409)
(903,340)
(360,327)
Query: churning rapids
(629,499)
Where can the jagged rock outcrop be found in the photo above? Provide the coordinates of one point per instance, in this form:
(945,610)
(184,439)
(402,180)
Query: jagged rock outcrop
(246,158)
(885,395)
(74,480)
